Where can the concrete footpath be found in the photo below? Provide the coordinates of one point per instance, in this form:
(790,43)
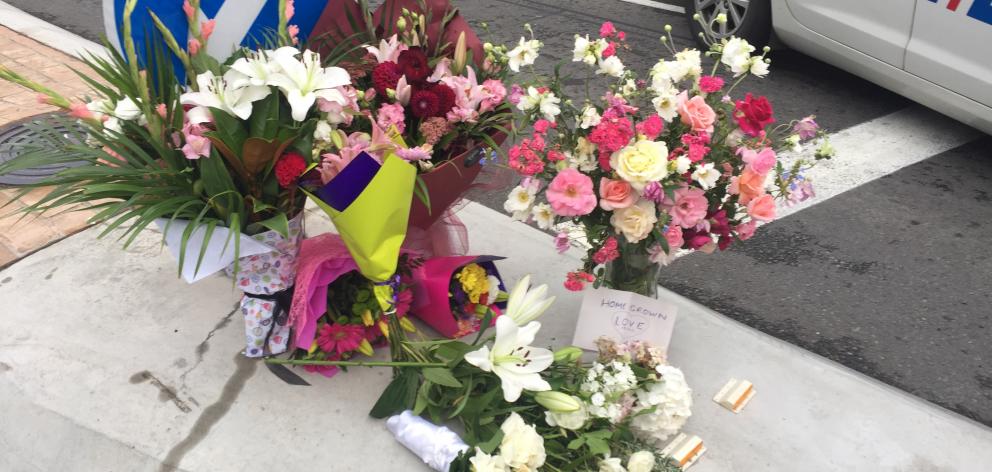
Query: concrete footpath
(108,361)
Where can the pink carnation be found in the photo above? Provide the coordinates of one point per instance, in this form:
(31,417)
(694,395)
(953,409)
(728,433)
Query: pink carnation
(495,93)
(611,135)
(690,207)
(390,115)
(542,126)
(524,158)
(607,29)
(608,252)
(571,193)
(576,281)
(697,144)
(710,83)
(651,127)
(611,50)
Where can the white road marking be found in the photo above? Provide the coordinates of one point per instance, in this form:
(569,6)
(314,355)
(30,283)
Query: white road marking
(234,19)
(658,5)
(880,147)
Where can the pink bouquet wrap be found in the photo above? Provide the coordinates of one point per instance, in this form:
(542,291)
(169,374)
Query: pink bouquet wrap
(431,294)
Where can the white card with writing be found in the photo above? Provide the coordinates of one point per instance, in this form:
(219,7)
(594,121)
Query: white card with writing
(624,316)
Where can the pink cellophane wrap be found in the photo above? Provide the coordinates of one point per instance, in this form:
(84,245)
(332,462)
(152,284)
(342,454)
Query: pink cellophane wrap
(447,237)
(323,259)
(266,274)
(431,301)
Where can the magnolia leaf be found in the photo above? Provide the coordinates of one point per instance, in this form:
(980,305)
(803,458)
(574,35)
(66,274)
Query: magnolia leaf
(257,154)
(489,446)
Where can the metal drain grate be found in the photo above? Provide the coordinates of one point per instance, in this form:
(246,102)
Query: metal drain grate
(13,138)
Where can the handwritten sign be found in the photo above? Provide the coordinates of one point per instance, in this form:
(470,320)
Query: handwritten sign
(624,316)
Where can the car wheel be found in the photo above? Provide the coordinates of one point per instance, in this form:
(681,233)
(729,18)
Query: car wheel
(747,19)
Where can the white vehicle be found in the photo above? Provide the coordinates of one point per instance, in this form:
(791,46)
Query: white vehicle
(936,52)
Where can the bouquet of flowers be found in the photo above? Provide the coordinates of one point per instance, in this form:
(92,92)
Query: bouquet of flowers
(214,161)
(453,294)
(654,165)
(523,407)
(421,75)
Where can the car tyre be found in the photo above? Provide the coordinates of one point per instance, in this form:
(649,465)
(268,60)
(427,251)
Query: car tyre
(747,19)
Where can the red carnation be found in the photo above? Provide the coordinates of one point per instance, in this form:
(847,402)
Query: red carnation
(385,76)
(753,114)
(413,64)
(290,167)
(425,104)
(446,98)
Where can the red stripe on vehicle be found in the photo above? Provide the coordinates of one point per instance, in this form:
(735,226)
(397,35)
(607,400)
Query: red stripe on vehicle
(953,5)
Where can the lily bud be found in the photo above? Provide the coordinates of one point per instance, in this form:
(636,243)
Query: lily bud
(384,327)
(407,325)
(567,354)
(338,138)
(366,348)
(557,402)
(401,24)
(461,55)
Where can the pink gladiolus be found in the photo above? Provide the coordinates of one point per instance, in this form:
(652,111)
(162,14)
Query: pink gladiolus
(294,33)
(43,99)
(196,147)
(193,47)
(690,207)
(290,11)
(188,9)
(207,29)
(570,193)
(80,111)
(161,110)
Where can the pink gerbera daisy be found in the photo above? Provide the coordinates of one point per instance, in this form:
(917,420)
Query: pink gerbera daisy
(339,338)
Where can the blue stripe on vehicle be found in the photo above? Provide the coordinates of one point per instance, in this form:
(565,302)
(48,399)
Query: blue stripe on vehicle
(981,10)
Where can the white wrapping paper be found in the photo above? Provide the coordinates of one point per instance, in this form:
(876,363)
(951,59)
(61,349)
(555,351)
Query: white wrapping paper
(436,445)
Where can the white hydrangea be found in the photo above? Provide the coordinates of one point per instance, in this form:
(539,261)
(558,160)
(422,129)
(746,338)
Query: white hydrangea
(607,386)
(672,399)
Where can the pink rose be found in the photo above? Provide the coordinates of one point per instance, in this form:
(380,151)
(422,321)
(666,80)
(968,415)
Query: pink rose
(760,162)
(696,113)
(674,237)
(615,194)
(571,193)
(746,230)
(690,207)
(749,185)
(762,208)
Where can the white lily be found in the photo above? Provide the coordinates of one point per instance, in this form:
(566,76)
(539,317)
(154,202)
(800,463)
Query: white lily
(513,359)
(217,92)
(526,304)
(258,66)
(303,81)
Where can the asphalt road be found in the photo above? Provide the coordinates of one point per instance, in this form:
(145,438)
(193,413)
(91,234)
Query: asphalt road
(890,278)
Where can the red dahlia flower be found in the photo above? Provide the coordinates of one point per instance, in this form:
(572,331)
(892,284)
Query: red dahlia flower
(425,103)
(385,76)
(413,64)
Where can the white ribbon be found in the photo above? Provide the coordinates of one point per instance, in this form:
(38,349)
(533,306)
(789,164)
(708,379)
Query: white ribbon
(436,445)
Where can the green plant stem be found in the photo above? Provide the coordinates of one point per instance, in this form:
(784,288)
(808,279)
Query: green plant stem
(356,363)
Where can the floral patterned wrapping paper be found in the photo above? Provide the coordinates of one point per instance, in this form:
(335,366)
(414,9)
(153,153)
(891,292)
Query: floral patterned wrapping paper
(267,332)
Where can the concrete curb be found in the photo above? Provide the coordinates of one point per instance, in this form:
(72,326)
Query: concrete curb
(47,33)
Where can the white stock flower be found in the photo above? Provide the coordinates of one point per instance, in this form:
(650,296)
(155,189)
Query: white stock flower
(629,87)
(512,358)
(590,117)
(672,399)
(759,67)
(611,66)
(641,461)
(519,202)
(546,103)
(583,51)
(706,175)
(641,163)
(611,464)
(543,215)
(525,304)
(522,447)
(682,164)
(482,462)
(584,158)
(322,132)
(635,221)
(737,55)
(303,81)
(218,92)
(524,54)
(572,420)
(666,105)
(690,63)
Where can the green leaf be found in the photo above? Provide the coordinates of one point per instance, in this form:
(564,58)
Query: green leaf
(489,446)
(598,446)
(453,352)
(278,223)
(422,398)
(423,194)
(399,395)
(577,442)
(486,321)
(441,376)
(264,120)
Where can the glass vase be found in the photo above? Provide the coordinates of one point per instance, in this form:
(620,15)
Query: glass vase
(633,271)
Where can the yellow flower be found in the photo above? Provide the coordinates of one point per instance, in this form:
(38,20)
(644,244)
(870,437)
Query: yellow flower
(384,327)
(474,281)
(367,318)
(407,325)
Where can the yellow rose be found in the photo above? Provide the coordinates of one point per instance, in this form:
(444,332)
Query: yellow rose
(642,162)
(635,221)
